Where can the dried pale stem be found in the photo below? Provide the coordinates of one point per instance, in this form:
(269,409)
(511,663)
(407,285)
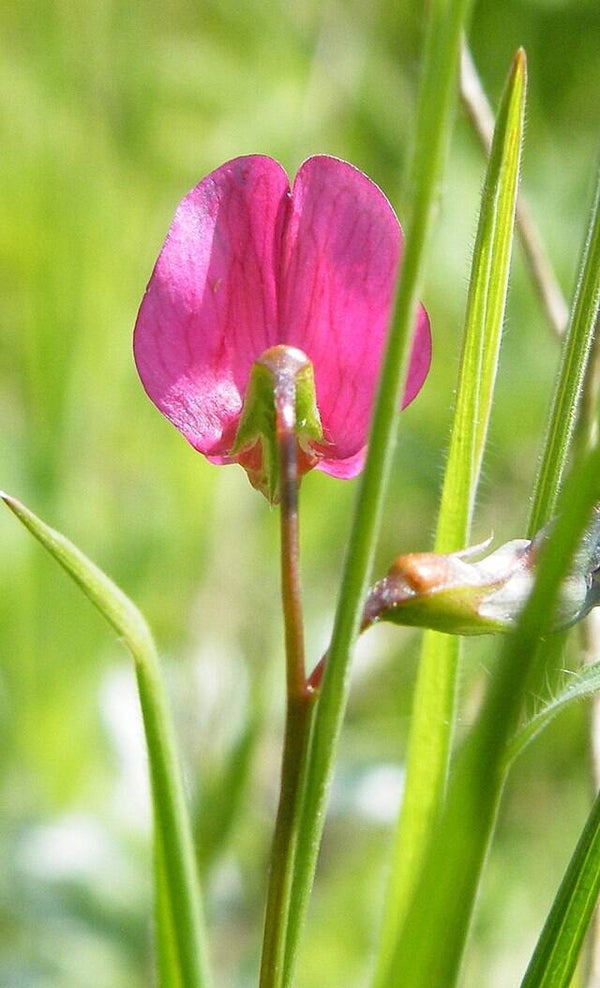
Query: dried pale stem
(482,118)
(300,700)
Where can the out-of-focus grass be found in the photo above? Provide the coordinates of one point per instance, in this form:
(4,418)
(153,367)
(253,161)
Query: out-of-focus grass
(111,111)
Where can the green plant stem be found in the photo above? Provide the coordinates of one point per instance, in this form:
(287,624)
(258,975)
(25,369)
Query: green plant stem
(173,819)
(430,951)
(291,594)
(167,962)
(297,731)
(434,704)
(434,122)
(555,958)
(586,435)
(300,698)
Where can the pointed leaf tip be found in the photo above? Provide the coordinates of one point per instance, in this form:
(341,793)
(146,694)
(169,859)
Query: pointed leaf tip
(519,67)
(13,504)
(520,59)
(107,597)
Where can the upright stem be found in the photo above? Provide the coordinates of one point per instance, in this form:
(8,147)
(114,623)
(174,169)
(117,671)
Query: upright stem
(291,593)
(446,22)
(297,731)
(577,343)
(300,696)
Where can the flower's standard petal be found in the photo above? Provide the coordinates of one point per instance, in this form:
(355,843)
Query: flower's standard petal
(420,358)
(210,308)
(248,265)
(417,372)
(340,257)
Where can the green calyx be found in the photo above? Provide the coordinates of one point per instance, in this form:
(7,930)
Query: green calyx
(280,400)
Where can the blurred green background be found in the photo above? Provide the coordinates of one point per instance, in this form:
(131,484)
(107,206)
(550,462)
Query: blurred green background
(111,111)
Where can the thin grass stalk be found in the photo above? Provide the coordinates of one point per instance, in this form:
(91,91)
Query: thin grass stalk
(565,403)
(540,267)
(180,902)
(434,707)
(430,952)
(434,121)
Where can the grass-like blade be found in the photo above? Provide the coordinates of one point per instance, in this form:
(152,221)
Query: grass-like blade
(575,353)
(168,969)
(585,684)
(539,264)
(178,892)
(434,706)
(555,957)
(429,954)
(438,96)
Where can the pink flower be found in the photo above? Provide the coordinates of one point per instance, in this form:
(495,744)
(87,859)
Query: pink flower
(249,264)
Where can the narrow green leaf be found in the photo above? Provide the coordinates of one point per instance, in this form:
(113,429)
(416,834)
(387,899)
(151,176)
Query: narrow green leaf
(434,714)
(585,684)
(540,267)
(457,848)
(557,951)
(435,115)
(166,949)
(575,353)
(486,302)
(179,902)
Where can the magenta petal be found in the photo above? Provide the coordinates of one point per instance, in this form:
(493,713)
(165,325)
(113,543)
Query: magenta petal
(417,372)
(246,265)
(210,308)
(420,357)
(344,469)
(341,253)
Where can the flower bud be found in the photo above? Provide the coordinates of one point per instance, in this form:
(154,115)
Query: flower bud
(461,594)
